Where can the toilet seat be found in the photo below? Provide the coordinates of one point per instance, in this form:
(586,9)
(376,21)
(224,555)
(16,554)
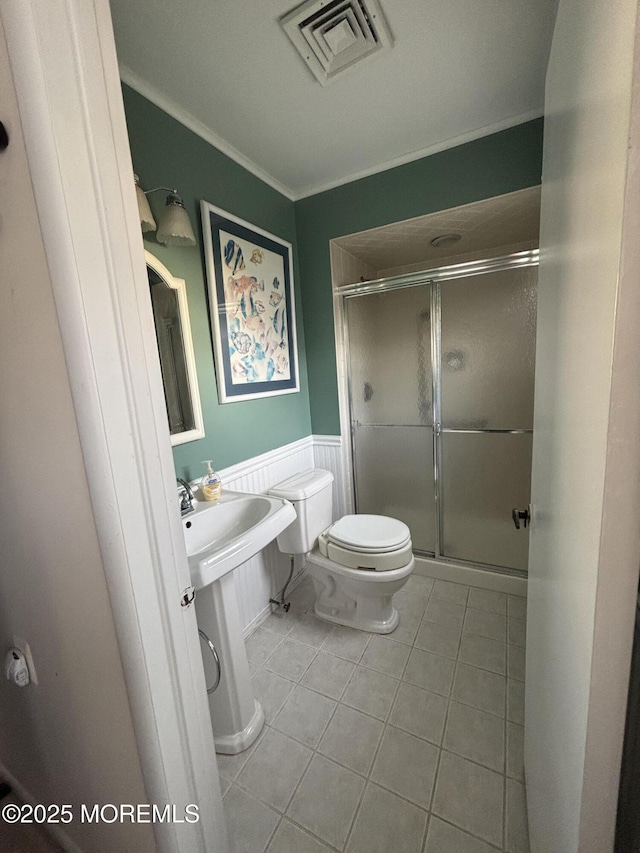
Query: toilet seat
(373,542)
(369,534)
(373,579)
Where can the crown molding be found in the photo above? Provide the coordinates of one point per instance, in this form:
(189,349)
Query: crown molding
(200,129)
(142,87)
(453,142)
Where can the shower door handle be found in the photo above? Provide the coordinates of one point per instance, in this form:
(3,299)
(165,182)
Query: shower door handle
(519,515)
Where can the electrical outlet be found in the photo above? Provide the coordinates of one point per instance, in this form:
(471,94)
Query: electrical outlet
(26,651)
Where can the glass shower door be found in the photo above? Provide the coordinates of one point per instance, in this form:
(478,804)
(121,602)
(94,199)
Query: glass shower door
(390,386)
(487,360)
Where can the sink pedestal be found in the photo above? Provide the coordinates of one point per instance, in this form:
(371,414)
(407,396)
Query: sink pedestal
(236,717)
(219,537)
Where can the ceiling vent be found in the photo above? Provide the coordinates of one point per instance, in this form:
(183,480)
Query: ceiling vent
(332,35)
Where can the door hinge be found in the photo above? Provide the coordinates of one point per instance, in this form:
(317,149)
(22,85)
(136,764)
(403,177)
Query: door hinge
(187,596)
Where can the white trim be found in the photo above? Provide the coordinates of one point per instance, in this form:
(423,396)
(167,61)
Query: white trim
(200,129)
(62,54)
(454,142)
(327,440)
(180,286)
(148,91)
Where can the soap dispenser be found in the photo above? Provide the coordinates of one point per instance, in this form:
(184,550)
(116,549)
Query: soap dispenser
(211,484)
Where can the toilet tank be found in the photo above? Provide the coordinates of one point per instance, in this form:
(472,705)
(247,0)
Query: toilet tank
(310,492)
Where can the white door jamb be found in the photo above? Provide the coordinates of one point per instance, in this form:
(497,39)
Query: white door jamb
(63,59)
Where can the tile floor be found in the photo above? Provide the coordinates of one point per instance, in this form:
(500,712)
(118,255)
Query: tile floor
(408,743)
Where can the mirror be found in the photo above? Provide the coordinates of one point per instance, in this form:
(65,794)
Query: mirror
(175,348)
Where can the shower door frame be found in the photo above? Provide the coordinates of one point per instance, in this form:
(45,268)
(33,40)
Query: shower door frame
(433,278)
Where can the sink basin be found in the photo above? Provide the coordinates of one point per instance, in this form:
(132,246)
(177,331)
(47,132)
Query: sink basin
(221,536)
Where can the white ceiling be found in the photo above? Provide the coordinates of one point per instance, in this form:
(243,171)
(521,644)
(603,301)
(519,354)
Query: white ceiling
(484,226)
(458,69)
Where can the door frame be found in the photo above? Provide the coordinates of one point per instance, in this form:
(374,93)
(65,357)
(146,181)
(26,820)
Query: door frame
(63,60)
(585,537)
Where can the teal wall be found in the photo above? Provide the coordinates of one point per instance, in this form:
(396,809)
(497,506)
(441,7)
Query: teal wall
(496,164)
(165,153)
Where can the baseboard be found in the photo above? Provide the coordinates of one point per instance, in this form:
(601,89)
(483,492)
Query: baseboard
(482,578)
(53,830)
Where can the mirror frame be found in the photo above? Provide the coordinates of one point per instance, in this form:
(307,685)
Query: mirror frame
(180,286)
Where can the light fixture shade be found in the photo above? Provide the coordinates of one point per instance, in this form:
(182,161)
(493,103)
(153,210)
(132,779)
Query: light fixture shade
(147,222)
(175,228)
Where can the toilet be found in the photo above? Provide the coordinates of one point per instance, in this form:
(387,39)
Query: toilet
(357,563)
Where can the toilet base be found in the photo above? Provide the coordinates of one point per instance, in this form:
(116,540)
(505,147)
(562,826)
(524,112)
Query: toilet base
(356,598)
(374,626)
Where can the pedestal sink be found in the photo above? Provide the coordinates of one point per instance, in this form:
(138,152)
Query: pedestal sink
(219,538)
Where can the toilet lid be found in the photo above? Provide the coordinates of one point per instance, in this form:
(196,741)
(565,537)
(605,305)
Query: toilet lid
(371,534)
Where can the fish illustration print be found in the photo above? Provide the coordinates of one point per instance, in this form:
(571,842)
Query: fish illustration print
(233,256)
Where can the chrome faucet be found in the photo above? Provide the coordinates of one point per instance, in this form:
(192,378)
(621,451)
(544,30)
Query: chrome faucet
(186,497)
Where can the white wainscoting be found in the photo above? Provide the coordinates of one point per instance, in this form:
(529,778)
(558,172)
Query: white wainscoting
(262,577)
(327,454)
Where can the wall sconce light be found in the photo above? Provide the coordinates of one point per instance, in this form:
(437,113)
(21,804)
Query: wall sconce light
(174,228)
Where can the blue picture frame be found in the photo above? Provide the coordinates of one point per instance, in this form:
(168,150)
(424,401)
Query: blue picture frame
(252,308)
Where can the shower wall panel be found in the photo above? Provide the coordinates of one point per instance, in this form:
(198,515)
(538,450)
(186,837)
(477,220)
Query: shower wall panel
(390,379)
(394,475)
(488,346)
(487,367)
(484,476)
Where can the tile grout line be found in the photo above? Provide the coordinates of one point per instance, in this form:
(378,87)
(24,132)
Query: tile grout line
(314,750)
(504,762)
(445,722)
(377,752)
(379,745)
(282,815)
(468,832)
(402,680)
(506,746)
(442,733)
(385,725)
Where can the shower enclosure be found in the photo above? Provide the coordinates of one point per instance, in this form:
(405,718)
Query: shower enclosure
(440,370)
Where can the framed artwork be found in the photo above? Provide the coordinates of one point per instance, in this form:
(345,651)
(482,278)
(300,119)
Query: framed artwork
(251,299)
